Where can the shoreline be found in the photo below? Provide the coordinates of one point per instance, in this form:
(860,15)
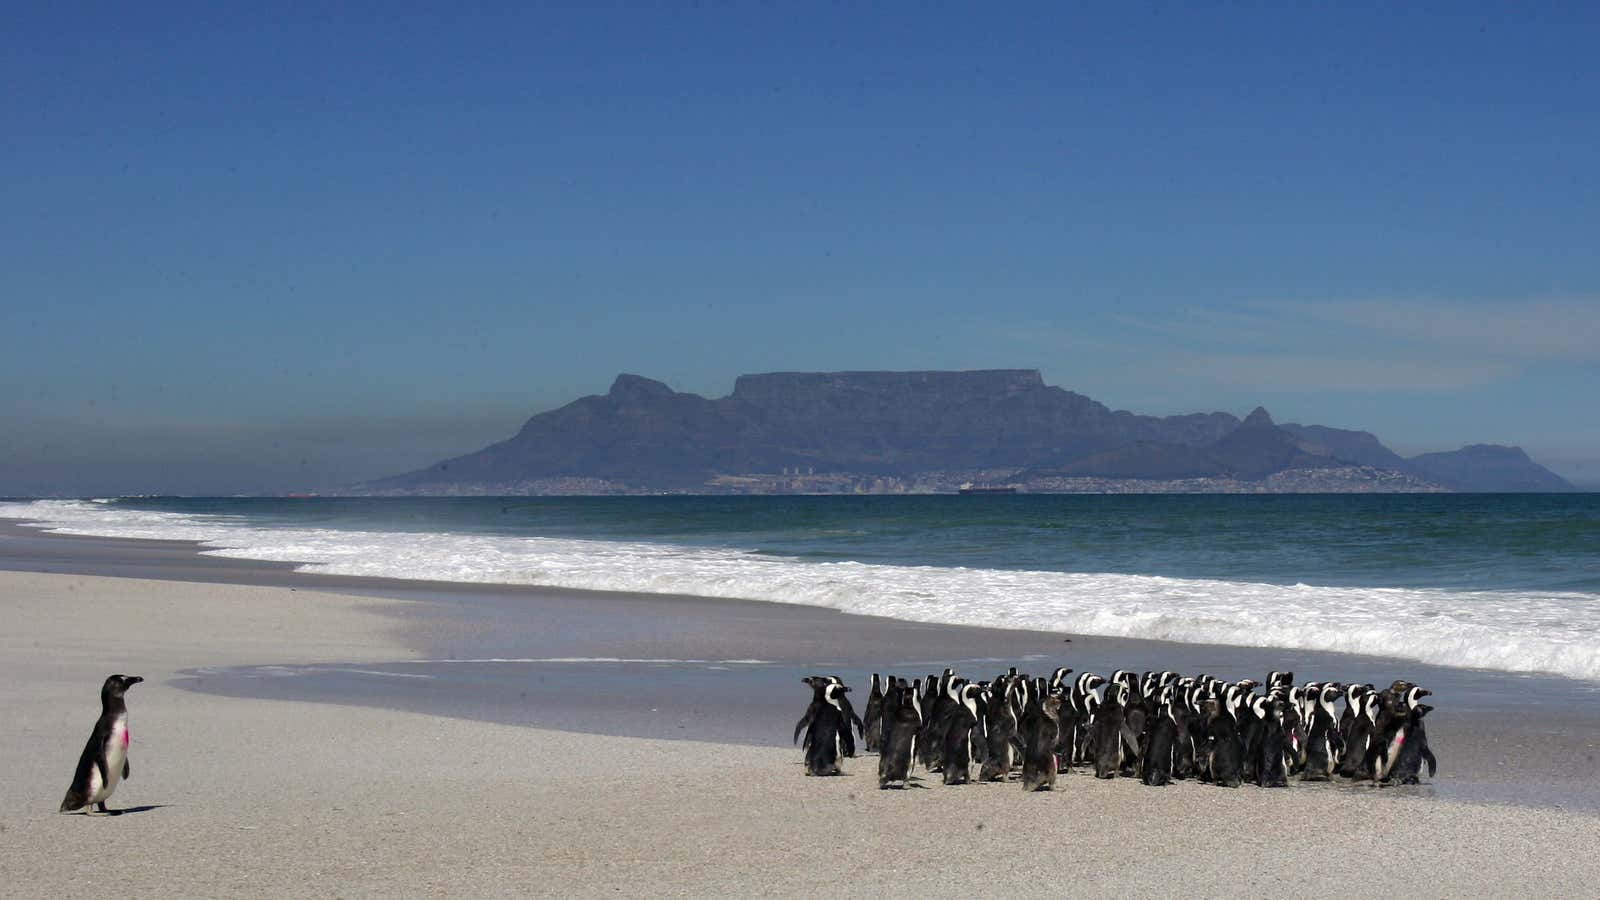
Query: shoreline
(676,667)
(340,776)
(29,549)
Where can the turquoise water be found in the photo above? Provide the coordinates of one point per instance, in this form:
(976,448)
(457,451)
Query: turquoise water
(1472,541)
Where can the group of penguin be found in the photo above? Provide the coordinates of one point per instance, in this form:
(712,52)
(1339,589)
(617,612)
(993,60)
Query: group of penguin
(1155,726)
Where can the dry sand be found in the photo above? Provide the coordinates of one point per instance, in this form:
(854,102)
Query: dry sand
(269,798)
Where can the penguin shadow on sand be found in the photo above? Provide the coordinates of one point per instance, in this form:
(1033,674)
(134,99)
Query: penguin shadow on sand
(104,763)
(125,811)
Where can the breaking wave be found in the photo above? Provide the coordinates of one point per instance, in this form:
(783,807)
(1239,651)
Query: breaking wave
(1516,631)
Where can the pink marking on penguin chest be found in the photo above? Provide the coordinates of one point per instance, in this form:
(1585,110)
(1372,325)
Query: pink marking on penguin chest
(127,738)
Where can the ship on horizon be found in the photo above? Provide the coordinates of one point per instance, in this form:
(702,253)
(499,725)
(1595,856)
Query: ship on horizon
(970,488)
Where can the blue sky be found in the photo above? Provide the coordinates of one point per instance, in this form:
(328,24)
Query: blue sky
(284,247)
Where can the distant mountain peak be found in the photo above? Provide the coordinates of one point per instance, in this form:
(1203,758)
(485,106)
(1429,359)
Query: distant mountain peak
(1258,418)
(638,387)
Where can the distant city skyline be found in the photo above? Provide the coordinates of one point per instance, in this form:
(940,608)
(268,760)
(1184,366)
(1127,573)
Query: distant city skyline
(256,250)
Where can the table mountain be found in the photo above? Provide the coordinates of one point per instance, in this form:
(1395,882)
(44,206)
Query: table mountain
(643,435)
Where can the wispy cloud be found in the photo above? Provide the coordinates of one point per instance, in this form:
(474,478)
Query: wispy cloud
(1336,371)
(1528,331)
(1356,346)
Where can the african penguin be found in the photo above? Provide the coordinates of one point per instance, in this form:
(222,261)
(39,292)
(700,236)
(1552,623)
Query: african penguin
(1414,751)
(1222,753)
(1107,730)
(872,720)
(1000,733)
(902,720)
(1322,742)
(104,762)
(1160,745)
(829,728)
(1271,767)
(1040,727)
(961,719)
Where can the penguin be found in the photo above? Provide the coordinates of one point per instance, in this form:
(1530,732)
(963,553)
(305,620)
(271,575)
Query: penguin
(819,683)
(1084,751)
(1357,760)
(872,719)
(1223,748)
(1288,710)
(825,738)
(902,720)
(1136,711)
(1396,723)
(1414,751)
(1322,742)
(930,744)
(1075,712)
(1160,745)
(961,719)
(104,762)
(1040,727)
(1272,764)
(1186,760)
(1000,733)
(1352,707)
(1107,731)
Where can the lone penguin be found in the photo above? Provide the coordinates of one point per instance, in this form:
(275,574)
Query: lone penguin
(104,762)
(825,737)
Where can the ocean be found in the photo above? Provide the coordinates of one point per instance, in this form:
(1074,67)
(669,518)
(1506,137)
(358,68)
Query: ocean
(1509,582)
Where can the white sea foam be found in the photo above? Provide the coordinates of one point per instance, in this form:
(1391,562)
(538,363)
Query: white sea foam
(1507,630)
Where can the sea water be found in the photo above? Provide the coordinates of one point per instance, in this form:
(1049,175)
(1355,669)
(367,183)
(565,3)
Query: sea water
(1505,581)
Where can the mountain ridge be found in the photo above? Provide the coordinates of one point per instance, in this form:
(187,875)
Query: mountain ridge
(916,431)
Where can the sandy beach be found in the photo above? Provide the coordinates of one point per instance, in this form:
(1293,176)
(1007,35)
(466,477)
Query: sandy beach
(235,794)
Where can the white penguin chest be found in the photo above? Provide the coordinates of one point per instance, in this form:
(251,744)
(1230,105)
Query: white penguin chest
(116,754)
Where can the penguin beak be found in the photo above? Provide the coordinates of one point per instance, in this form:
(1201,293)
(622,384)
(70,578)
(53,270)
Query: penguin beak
(133,680)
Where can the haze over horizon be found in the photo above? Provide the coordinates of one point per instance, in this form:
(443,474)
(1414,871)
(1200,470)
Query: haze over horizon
(263,250)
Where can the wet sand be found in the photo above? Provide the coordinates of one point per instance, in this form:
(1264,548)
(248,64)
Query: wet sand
(285,744)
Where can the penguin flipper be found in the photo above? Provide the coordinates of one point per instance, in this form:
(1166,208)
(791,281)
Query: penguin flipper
(1132,741)
(1433,764)
(801,726)
(125,769)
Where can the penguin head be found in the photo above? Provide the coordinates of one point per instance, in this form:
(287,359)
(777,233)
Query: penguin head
(116,685)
